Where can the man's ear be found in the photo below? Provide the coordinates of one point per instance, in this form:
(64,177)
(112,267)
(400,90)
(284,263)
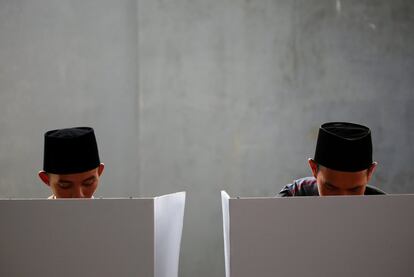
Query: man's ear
(371,170)
(314,167)
(100,169)
(44,177)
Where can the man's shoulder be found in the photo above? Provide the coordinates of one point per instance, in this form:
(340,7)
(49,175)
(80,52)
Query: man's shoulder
(301,187)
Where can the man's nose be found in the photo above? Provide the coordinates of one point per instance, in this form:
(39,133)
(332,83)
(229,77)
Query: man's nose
(78,193)
(346,193)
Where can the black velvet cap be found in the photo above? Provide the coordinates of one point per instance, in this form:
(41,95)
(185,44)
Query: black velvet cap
(71,150)
(344,146)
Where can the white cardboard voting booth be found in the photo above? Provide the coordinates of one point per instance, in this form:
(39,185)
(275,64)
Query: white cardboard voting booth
(101,237)
(319,236)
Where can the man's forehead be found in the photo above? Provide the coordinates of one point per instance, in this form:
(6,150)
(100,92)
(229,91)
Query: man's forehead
(74,177)
(347,180)
(328,170)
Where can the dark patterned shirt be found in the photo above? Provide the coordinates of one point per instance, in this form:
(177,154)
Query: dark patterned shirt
(308,187)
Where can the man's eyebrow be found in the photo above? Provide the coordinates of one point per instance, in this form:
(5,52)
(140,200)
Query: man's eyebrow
(356,187)
(353,188)
(89,179)
(329,184)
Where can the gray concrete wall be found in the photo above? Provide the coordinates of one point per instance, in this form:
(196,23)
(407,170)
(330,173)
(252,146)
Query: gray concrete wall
(63,64)
(204,95)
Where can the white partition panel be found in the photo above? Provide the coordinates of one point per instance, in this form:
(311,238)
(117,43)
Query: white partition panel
(169,216)
(321,236)
(99,237)
(226,230)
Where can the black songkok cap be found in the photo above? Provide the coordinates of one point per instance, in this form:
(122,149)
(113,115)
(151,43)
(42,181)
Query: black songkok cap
(72,150)
(344,146)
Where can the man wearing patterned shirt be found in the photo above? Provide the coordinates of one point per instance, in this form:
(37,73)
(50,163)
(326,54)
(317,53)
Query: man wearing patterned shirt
(342,164)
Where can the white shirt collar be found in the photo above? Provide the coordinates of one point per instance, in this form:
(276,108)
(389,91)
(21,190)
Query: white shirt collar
(54,197)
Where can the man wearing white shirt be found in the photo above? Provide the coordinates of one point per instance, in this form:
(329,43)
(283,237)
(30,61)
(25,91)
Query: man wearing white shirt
(71,164)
